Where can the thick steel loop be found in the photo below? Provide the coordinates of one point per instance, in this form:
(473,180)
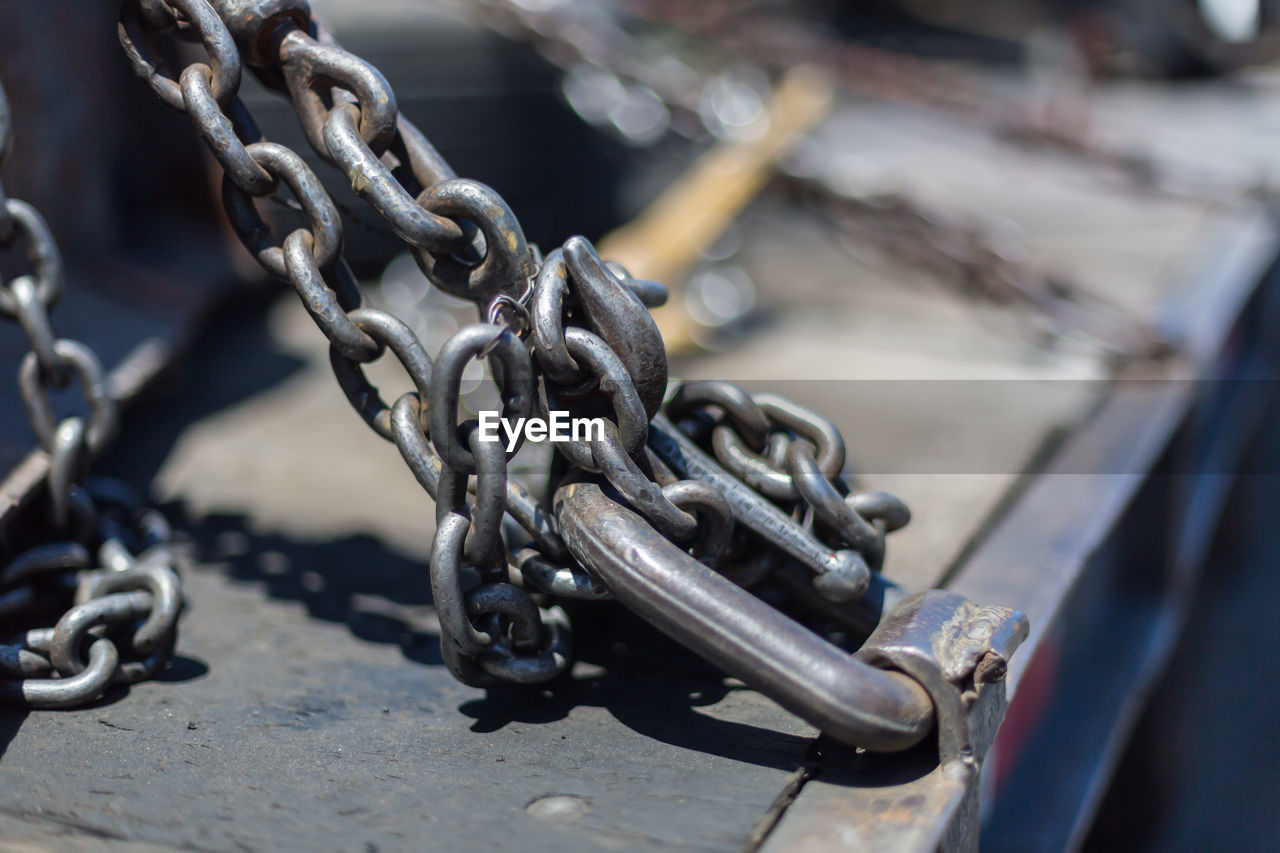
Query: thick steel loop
(166,600)
(457,634)
(617,316)
(313,71)
(383,329)
(533,649)
(807,423)
(614,382)
(34,319)
(103,411)
(374,182)
(758,472)
(42,254)
(829,505)
(224,60)
(641,493)
(484,547)
(323,220)
(714,514)
(746,417)
(506,266)
(513,372)
(45,559)
(550,290)
(854,702)
(324,303)
(219,133)
(566,580)
(68,468)
(885,510)
(71,692)
(121,608)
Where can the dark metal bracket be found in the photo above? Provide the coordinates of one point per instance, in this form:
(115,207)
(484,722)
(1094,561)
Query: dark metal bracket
(952,648)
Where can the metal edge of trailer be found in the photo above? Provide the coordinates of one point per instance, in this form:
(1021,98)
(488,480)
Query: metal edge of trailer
(1066,552)
(1116,606)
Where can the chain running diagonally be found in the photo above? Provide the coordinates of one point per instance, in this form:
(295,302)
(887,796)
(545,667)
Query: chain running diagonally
(111,556)
(604,62)
(565,332)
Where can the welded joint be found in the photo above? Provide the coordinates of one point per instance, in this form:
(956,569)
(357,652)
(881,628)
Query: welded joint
(954,649)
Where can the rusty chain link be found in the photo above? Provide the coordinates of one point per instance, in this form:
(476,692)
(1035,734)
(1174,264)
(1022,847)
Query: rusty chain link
(114,554)
(565,332)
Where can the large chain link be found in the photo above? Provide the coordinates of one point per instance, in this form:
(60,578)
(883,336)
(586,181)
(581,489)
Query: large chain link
(113,554)
(565,332)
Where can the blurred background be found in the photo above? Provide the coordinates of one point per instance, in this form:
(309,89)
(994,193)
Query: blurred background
(950,225)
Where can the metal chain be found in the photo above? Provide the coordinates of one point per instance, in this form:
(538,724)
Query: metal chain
(565,332)
(603,62)
(114,554)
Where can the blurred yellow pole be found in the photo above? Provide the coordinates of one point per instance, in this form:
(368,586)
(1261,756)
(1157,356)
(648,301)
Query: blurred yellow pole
(668,237)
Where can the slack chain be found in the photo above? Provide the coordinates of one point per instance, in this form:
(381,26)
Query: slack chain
(565,332)
(111,559)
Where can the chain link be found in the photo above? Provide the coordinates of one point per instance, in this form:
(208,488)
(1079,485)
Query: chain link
(122,625)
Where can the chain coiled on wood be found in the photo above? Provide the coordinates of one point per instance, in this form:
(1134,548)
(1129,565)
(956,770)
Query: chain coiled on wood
(111,559)
(565,332)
